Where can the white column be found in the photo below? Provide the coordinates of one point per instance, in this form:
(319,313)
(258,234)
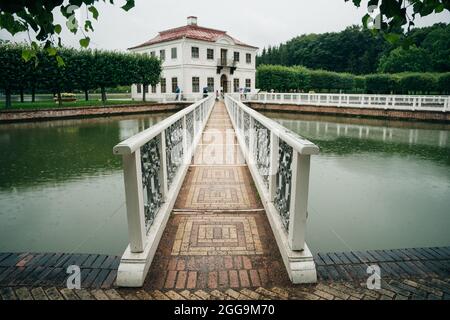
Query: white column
(134,200)
(299,201)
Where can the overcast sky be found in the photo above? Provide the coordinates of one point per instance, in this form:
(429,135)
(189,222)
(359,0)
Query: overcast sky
(256,22)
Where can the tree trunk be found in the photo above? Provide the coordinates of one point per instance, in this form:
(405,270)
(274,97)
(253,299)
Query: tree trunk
(21,95)
(59,99)
(143,92)
(86,95)
(7,98)
(33,94)
(103,94)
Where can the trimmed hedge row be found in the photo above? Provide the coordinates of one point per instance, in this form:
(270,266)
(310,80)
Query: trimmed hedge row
(281,78)
(84,70)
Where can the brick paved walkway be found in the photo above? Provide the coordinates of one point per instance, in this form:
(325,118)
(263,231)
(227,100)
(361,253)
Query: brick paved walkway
(218,236)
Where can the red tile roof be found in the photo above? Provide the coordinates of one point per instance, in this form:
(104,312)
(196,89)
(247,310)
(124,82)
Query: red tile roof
(191,32)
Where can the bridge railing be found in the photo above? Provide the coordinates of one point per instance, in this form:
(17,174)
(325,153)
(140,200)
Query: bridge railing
(155,162)
(172,97)
(375,101)
(279,160)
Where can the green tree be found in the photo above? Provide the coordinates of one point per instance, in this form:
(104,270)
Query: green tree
(148,71)
(399,60)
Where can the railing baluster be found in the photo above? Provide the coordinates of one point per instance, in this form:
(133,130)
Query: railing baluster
(134,200)
(299,201)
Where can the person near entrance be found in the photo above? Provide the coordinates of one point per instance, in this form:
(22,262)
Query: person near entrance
(177,91)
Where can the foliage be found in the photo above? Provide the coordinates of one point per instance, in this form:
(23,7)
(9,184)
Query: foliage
(357,51)
(83,70)
(417,82)
(393,15)
(284,79)
(301,79)
(353,50)
(399,60)
(443,83)
(38,16)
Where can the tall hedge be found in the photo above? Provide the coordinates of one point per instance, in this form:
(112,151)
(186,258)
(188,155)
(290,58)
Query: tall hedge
(417,83)
(83,70)
(300,79)
(443,83)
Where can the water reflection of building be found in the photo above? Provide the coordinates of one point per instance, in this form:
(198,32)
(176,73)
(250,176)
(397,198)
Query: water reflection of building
(130,127)
(332,130)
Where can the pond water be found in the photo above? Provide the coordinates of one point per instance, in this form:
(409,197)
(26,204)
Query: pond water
(61,188)
(376,184)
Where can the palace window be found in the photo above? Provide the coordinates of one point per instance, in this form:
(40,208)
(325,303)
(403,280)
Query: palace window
(162,55)
(248,83)
(195,52)
(210,84)
(236,56)
(139,88)
(195,84)
(248,58)
(152,54)
(236,85)
(174,53)
(174,84)
(163,85)
(210,54)
(153,88)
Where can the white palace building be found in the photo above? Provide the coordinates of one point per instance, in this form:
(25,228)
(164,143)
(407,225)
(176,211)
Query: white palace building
(194,58)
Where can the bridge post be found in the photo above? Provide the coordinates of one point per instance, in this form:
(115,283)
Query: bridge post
(132,173)
(299,201)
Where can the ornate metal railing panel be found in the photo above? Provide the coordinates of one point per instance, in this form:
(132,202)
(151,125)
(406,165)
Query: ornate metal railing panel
(197,118)
(283,182)
(151,179)
(174,149)
(262,150)
(246,129)
(190,127)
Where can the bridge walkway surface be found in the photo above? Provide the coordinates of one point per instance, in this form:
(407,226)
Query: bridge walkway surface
(218,235)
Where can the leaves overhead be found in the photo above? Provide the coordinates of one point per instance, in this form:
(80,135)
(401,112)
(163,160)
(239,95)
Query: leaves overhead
(38,16)
(392,16)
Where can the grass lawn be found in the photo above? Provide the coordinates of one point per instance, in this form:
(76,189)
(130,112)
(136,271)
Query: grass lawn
(79,103)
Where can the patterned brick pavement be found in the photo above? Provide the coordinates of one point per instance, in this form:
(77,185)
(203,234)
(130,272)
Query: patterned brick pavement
(218,236)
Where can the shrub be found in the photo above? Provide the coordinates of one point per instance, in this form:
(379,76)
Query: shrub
(380,83)
(443,83)
(417,82)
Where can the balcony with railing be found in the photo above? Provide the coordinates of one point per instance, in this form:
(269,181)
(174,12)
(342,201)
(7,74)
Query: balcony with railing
(226,63)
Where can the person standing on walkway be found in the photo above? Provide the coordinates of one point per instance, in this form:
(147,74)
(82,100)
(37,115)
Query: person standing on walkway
(177,91)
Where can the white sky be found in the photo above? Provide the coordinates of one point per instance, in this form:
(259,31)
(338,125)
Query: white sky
(256,22)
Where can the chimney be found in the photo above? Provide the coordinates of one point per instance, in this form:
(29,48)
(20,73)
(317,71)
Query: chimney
(191,21)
